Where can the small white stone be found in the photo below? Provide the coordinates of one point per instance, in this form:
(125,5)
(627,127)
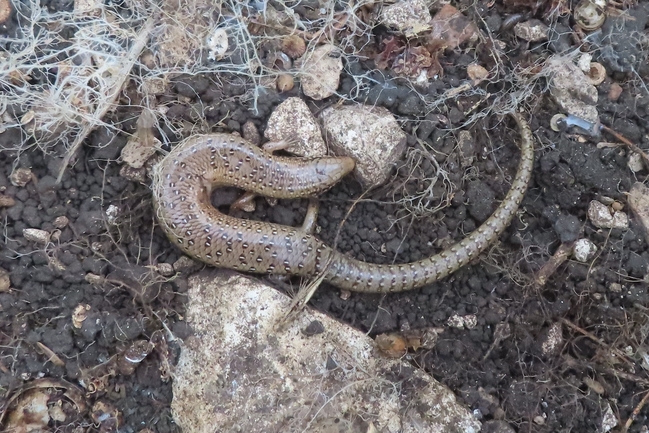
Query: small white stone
(615,287)
(553,341)
(21,177)
(583,250)
(61,222)
(570,88)
(600,215)
(111,214)
(320,71)
(620,220)
(217,44)
(584,62)
(609,420)
(292,119)
(410,17)
(455,321)
(36,235)
(470,321)
(165,269)
(635,162)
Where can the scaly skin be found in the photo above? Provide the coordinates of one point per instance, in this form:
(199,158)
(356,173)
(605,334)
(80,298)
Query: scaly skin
(184,179)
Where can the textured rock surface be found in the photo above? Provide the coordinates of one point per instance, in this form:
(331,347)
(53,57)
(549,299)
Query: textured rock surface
(292,119)
(241,372)
(370,135)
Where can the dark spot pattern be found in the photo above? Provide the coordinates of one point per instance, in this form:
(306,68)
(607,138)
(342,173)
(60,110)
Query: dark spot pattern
(179,188)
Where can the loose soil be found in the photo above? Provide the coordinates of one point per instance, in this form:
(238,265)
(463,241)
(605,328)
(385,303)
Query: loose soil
(513,380)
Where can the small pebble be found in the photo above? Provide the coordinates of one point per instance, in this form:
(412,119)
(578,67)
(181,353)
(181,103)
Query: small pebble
(6,201)
(584,250)
(165,269)
(61,222)
(539,419)
(614,92)
(5,282)
(36,235)
(21,177)
(600,215)
(553,341)
(615,287)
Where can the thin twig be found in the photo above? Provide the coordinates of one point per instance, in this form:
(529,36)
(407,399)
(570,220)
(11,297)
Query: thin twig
(627,142)
(598,340)
(635,412)
(560,256)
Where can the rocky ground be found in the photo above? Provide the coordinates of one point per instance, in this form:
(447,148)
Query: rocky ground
(566,356)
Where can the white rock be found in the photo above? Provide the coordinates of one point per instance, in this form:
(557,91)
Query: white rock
(609,420)
(638,200)
(532,31)
(615,287)
(455,321)
(620,220)
(460,322)
(320,71)
(410,17)
(90,7)
(61,222)
(600,215)
(635,163)
(112,213)
(552,342)
(5,281)
(239,370)
(217,44)
(21,177)
(470,321)
(583,250)
(584,62)
(36,235)
(370,135)
(570,88)
(293,119)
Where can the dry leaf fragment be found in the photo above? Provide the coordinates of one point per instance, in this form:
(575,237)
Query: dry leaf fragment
(391,345)
(451,26)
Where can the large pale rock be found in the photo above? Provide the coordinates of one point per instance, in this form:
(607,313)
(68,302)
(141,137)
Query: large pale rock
(370,135)
(571,89)
(239,372)
(292,120)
